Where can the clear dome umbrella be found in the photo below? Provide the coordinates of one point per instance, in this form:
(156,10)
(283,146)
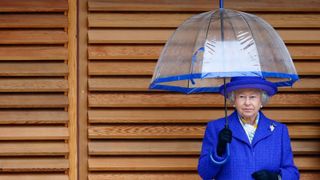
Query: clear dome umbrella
(220,44)
(210,48)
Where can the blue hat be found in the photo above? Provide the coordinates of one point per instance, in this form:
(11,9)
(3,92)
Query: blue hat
(249,82)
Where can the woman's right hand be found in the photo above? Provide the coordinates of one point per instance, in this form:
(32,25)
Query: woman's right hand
(225,136)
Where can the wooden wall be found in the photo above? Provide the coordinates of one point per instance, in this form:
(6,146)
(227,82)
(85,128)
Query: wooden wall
(57,105)
(37,90)
(134,133)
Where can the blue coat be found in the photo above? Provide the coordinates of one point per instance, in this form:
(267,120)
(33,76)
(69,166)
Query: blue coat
(270,150)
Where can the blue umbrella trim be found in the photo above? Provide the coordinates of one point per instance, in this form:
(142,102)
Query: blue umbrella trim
(157,83)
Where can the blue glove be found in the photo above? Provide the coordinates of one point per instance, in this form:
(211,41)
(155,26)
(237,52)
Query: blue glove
(225,136)
(265,175)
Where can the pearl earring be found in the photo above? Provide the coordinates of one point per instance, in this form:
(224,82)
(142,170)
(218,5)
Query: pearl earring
(261,106)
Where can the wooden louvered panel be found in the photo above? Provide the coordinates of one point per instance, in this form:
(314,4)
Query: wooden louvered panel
(33,165)
(310,175)
(161,20)
(142,84)
(147,68)
(194,100)
(171,163)
(33,117)
(34,133)
(193,115)
(33,85)
(203,5)
(158,36)
(33,21)
(152,52)
(33,69)
(33,37)
(34,177)
(33,101)
(33,149)
(179,131)
(174,147)
(33,6)
(33,53)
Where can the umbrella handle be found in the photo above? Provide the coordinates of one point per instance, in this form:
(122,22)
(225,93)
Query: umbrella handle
(225,159)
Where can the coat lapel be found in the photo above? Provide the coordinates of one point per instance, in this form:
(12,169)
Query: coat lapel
(236,128)
(263,130)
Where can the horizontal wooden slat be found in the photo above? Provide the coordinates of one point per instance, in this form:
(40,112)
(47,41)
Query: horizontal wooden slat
(194,100)
(174,147)
(193,115)
(171,163)
(33,148)
(33,21)
(147,68)
(121,68)
(152,52)
(157,36)
(178,131)
(142,163)
(34,176)
(33,85)
(145,148)
(33,69)
(33,37)
(203,5)
(33,165)
(33,117)
(173,20)
(34,133)
(33,101)
(304,175)
(142,84)
(33,53)
(33,6)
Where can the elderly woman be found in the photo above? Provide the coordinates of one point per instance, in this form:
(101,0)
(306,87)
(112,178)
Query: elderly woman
(259,147)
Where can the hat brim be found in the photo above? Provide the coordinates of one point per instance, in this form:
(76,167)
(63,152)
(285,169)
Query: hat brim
(266,86)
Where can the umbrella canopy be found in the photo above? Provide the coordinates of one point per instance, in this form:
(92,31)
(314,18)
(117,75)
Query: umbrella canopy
(212,47)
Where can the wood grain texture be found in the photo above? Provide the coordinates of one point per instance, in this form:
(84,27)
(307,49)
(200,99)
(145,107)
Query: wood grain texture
(203,5)
(160,36)
(46,176)
(184,131)
(33,53)
(33,85)
(33,6)
(33,117)
(130,115)
(194,100)
(34,133)
(173,20)
(33,101)
(152,52)
(33,165)
(33,21)
(33,37)
(33,149)
(33,69)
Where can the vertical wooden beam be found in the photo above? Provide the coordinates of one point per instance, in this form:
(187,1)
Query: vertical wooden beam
(83,90)
(72,92)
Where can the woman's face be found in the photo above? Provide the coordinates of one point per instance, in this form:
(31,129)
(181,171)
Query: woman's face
(248,103)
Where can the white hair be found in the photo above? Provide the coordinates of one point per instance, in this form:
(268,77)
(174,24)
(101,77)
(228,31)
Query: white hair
(264,97)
